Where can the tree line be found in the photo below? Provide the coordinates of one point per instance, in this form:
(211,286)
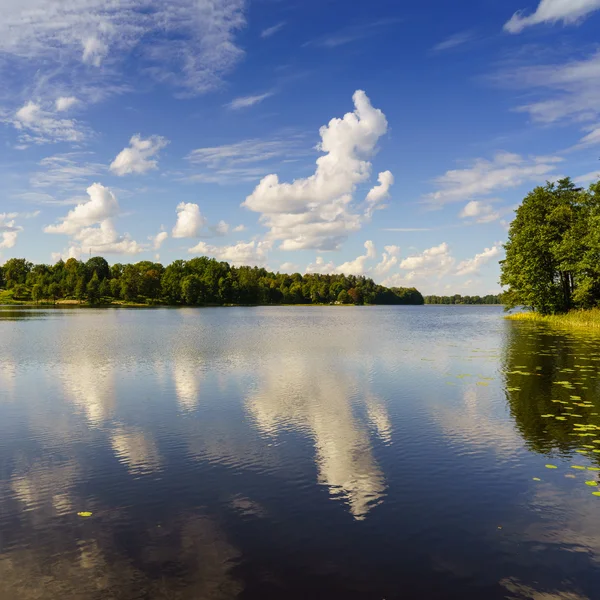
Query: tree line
(458,299)
(199,281)
(552,262)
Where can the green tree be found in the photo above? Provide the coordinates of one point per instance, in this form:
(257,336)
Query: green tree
(191,287)
(343,297)
(80,289)
(99,266)
(36,292)
(54,291)
(93,289)
(547,243)
(15,271)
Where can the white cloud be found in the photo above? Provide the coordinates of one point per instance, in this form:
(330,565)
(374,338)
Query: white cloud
(288,267)
(94,51)
(159,239)
(221,228)
(588,177)
(320,266)
(240,254)
(102,204)
(189,221)
(104,239)
(574,88)
(358,266)
(479,211)
(591,139)
(379,193)
(91,228)
(269,31)
(247,101)
(458,39)
(37,125)
(483,177)
(193,43)
(553,11)
(473,265)
(316,212)
(242,161)
(435,261)
(66,172)
(239,228)
(140,157)
(389,259)
(9,231)
(65,103)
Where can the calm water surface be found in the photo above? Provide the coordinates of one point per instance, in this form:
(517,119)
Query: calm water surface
(287,453)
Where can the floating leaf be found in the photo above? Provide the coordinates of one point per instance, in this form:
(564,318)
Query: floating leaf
(593,468)
(592,482)
(536,479)
(595,493)
(551,467)
(84,514)
(578,467)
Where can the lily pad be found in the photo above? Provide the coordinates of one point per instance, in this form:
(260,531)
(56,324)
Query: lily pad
(551,467)
(84,514)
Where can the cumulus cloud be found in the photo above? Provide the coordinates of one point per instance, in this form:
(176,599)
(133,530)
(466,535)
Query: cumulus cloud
(104,239)
(479,212)
(140,156)
(193,43)
(102,204)
(316,212)
(288,267)
(39,125)
(221,228)
(473,265)
(358,266)
(379,193)
(159,239)
(504,171)
(320,266)
(553,11)
(65,103)
(9,230)
(189,221)
(389,259)
(239,228)
(247,101)
(243,253)
(91,228)
(435,261)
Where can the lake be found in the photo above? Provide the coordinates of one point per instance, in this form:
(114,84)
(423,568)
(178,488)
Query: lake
(297,452)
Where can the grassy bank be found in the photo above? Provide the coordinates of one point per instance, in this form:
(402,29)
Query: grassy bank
(589,319)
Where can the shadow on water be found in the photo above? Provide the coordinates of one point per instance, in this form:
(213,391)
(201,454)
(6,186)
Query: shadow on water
(552,387)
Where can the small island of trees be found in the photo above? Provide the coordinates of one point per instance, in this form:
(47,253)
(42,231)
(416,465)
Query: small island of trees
(197,282)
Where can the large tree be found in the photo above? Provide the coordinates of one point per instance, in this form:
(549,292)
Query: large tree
(548,243)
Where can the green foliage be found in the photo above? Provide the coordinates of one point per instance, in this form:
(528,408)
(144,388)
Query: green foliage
(199,281)
(458,299)
(552,260)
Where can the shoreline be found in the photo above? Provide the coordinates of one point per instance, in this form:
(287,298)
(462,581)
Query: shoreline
(580,319)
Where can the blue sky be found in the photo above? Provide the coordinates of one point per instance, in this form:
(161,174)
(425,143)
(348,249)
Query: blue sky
(384,138)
